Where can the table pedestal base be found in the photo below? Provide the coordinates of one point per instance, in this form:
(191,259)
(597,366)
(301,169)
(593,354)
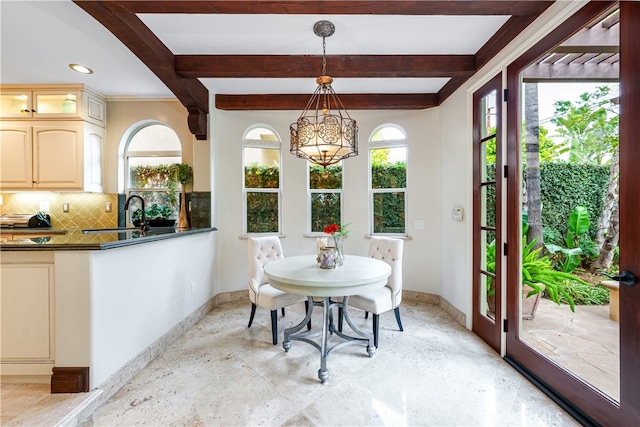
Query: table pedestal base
(328,327)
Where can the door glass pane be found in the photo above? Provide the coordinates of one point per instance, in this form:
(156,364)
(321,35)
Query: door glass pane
(488,201)
(488,159)
(570,140)
(488,126)
(488,271)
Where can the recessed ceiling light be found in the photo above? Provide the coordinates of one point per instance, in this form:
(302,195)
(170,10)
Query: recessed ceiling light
(81,68)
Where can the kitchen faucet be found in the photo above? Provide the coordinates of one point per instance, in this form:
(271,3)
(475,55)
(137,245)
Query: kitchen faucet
(143,220)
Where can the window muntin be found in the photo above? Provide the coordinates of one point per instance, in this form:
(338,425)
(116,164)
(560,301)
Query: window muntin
(388,181)
(324,196)
(261,158)
(150,151)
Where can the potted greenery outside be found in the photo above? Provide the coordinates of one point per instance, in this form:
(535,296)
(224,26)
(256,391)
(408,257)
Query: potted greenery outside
(538,275)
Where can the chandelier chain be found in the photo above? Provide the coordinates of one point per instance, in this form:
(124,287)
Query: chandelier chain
(324,56)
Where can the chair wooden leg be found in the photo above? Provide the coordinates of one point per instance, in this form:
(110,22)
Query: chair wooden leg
(306,310)
(274,326)
(253,313)
(397,312)
(376,318)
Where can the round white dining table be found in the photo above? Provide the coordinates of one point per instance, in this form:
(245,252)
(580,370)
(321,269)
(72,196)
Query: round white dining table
(301,275)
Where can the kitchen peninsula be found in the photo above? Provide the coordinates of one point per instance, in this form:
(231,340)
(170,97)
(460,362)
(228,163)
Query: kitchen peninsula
(84,306)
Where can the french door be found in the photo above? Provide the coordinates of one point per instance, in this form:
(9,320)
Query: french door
(487,213)
(588,403)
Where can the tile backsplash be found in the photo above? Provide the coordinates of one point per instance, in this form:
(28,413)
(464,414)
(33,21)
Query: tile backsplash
(86,210)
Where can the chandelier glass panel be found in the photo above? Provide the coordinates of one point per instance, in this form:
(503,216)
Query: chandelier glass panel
(324,133)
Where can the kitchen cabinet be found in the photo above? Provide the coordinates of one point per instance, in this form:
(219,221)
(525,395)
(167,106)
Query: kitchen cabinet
(51,155)
(27,322)
(44,102)
(51,138)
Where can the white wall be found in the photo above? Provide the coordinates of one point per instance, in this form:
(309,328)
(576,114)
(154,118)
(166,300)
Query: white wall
(113,304)
(422,254)
(456,160)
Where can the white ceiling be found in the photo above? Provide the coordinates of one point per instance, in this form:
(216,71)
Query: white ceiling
(38,39)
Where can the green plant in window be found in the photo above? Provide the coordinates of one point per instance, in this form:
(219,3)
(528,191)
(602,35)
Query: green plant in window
(155,211)
(182,173)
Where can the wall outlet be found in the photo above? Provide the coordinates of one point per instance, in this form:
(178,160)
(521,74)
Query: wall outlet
(193,288)
(419,224)
(107,207)
(65,207)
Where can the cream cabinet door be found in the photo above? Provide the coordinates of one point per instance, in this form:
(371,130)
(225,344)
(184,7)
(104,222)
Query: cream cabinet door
(16,157)
(26,300)
(58,156)
(93,158)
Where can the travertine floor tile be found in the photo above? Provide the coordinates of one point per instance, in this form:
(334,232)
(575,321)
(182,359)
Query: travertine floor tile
(222,373)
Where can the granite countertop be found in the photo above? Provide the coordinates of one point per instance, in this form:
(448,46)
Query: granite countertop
(76,240)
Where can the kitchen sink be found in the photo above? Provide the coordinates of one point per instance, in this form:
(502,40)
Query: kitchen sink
(109,230)
(152,231)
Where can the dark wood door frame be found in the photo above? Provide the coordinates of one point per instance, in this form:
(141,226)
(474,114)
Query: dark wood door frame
(630,206)
(489,330)
(564,387)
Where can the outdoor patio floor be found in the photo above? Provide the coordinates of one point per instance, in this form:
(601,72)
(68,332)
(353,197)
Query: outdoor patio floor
(585,342)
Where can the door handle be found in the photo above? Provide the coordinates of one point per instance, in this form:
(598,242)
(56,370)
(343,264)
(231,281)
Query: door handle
(625,277)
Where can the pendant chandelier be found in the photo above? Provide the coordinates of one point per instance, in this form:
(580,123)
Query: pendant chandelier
(324,133)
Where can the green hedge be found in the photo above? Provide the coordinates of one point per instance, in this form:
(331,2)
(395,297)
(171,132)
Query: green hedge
(389,175)
(389,208)
(563,186)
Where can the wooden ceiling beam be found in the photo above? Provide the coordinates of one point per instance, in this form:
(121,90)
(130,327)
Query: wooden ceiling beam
(265,66)
(180,73)
(340,7)
(351,101)
(132,32)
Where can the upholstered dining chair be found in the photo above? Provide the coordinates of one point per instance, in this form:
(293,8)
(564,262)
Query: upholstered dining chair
(388,297)
(263,250)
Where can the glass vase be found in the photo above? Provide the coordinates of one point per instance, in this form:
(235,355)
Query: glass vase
(339,242)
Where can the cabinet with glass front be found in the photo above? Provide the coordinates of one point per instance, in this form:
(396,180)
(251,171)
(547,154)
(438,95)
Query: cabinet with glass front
(51,102)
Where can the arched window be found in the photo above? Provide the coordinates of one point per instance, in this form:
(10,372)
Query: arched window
(149,153)
(261,158)
(388,180)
